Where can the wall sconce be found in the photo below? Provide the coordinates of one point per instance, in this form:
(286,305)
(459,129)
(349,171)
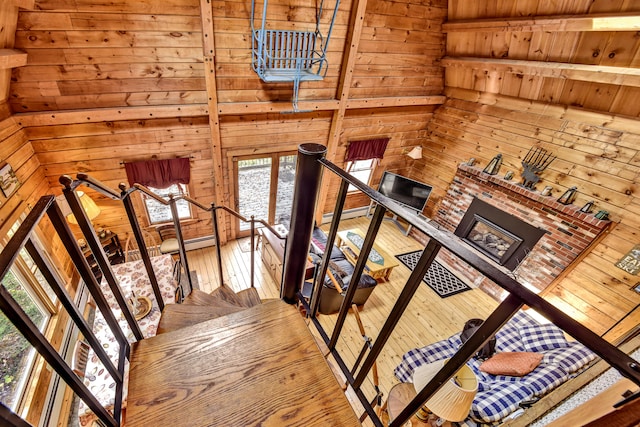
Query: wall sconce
(415,153)
(568,196)
(494,165)
(91,209)
(588,207)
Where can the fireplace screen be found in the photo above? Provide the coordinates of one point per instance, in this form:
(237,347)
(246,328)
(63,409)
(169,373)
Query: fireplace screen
(492,239)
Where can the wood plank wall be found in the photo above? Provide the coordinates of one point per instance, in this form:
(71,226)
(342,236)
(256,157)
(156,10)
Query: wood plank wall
(596,152)
(123,62)
(496,108)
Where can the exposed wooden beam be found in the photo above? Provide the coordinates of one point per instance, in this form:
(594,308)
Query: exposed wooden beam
(356,23)
(401,101)
(45,118)
(600,22)
(208,46)
(11,58)
(560,70)
(235,108)
(109,114)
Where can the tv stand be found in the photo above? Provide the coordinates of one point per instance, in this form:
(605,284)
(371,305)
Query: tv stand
(393,218)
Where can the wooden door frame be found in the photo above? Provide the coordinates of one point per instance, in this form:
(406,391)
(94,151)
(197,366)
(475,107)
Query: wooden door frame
(233,158)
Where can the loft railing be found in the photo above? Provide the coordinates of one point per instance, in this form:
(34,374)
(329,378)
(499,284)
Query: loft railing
(22,239)
(212,209)
(311,163)
(125,197)
(48,206)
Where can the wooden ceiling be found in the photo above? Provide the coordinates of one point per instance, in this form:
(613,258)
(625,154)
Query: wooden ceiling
(97,54)
(576,53)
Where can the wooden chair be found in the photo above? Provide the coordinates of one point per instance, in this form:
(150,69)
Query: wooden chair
(131,250)
(169,242)
(80,357)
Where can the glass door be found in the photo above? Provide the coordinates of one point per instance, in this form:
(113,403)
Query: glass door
(264,188)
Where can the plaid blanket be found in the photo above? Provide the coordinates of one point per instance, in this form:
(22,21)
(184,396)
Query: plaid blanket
(500,395)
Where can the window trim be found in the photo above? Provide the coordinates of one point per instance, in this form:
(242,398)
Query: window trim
(349,166)
(144,198)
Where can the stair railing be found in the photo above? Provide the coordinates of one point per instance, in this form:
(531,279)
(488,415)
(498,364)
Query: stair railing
(311,163)
(22,239)
(212,209)
(125,197)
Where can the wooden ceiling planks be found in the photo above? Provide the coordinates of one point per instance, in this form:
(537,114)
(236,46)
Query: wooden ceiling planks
(531,50)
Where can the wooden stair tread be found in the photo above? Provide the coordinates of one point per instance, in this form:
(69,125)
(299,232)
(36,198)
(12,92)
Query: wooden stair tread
(178,316)
(260,366)
(226,294)
(249,297)
(198,297)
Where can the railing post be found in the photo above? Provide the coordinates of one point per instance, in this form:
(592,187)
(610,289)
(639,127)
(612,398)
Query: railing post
(253,234)
(216,234)
(307,184)
(142,246)
(98,252)
(183,253)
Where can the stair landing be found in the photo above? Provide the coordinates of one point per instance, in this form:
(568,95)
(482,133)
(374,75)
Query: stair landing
(260,366)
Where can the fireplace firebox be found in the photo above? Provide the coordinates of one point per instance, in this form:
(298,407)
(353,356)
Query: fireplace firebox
(499,235)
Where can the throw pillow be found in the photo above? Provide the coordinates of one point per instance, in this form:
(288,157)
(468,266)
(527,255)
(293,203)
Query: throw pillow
(515,364)
(542,337)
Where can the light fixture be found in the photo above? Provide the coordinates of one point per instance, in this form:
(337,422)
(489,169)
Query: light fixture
(494,165)
(452,401)
(415,153)
(568,196)
(90,208)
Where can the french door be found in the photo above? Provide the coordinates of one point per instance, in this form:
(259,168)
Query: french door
(264,187)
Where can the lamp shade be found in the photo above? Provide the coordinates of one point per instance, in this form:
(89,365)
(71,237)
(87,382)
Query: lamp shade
(453,401)
(91,209)
(415,153)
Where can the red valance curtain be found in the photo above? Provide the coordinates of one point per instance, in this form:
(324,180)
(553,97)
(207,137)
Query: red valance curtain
(367,149)
(159,173)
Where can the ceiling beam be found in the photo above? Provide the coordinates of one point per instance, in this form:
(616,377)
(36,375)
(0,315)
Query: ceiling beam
(600,22)
(559,70)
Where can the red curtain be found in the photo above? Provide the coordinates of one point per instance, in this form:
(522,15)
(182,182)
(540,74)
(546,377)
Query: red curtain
(367,149)
(159,173)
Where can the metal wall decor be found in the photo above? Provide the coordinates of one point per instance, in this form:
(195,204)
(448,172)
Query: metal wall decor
(534,163)
(494,165)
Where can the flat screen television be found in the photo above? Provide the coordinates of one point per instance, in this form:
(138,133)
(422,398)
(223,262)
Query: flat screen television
(413,194)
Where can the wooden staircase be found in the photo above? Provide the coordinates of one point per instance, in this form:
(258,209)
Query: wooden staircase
(228,359)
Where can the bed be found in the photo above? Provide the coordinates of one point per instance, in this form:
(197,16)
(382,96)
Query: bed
(501,396)
(132,276)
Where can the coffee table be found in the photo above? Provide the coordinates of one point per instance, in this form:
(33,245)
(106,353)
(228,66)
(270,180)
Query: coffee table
(379,264)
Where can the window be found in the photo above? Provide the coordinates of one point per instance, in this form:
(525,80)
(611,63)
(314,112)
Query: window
(361,169)
(16,354)
(159,213)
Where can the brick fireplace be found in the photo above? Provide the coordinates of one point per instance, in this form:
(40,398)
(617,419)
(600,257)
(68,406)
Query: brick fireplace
(563,232)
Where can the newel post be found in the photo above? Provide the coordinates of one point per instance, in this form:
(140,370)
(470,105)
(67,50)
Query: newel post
(307,184)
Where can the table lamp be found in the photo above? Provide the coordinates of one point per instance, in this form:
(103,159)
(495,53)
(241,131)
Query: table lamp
(91,209)
(452,401)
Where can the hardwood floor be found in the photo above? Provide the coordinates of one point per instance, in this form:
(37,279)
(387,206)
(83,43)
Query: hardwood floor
(427,319)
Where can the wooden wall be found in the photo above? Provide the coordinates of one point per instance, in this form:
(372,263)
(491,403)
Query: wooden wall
(109,82)
(560,75)
(596,152)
